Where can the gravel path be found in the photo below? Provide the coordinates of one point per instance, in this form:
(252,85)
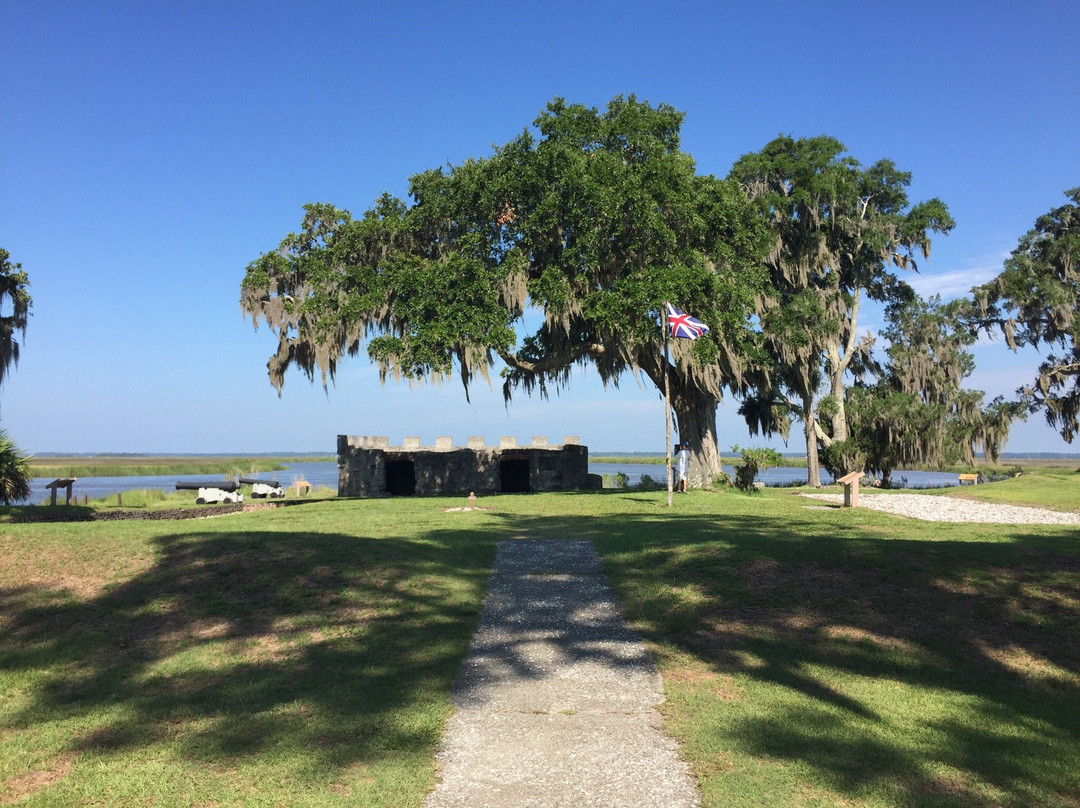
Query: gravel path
(555,704)
(949,509)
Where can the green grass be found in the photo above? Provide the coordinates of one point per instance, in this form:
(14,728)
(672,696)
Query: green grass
(1055,488)
(303,656)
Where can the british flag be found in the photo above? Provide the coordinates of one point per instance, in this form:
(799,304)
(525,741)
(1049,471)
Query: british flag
(683,325)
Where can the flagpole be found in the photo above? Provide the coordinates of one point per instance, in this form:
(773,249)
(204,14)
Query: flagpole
(667,403)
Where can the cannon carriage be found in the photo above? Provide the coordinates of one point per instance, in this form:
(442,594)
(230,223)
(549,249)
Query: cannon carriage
(213,491)
(261,489)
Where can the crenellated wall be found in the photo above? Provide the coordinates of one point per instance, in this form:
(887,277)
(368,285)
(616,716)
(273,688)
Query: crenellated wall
(370,467)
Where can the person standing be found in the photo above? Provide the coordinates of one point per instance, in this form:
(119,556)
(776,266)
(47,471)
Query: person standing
(682,467)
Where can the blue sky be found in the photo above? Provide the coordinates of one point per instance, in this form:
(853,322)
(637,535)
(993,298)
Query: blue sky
(150,151)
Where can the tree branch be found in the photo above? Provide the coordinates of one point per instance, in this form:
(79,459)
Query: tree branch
(555,362)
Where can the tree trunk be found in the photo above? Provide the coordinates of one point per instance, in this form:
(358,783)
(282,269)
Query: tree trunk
(695,418)
(839,419)
(813,465)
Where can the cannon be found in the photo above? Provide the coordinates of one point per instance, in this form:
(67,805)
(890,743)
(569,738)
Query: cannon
(215,491)
(261,489)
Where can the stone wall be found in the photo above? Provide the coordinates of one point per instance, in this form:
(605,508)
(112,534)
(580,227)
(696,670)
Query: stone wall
(370,467)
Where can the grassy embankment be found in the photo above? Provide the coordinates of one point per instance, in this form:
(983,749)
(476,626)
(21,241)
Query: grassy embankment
(303,656)
(138,466)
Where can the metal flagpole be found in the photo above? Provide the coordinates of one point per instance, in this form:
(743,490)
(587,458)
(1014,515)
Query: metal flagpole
(667,403)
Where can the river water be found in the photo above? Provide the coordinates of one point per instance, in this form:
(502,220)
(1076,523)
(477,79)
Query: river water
(319,474)
(325,474)
(777,477)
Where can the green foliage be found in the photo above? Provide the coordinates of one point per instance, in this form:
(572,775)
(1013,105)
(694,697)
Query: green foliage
(14,291)
(844,456)
(593,218)
(617,480)
(917,412)
(1036,301)
(839,230)
(753,461)
(15,474)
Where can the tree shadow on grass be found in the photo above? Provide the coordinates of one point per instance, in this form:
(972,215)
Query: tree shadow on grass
(985,629)
(320,650)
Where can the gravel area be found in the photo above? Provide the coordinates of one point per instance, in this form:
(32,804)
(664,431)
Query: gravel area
(949,509)
(556,701)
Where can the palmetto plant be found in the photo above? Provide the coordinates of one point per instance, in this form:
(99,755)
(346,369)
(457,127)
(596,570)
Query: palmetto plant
(15,474)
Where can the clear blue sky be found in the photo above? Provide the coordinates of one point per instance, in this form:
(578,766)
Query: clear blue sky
(150,151)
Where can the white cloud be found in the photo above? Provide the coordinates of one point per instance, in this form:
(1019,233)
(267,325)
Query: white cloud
(955,283)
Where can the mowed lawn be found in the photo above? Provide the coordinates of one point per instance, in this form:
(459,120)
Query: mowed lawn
(304,656)
(295,657)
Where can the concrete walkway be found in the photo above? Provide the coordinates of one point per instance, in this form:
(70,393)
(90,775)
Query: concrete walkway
(555,703)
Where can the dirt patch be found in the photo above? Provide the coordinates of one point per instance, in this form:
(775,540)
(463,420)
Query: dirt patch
(720,685)
(62,570)
(49,514)
(23,786)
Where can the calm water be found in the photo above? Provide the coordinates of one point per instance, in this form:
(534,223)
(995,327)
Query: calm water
(779,476)
(326,474)
(318,474)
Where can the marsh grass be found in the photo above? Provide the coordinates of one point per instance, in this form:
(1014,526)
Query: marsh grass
(140,465)
(303,656)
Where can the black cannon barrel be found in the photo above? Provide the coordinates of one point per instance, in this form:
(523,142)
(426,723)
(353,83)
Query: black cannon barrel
(224,485)
(253,480)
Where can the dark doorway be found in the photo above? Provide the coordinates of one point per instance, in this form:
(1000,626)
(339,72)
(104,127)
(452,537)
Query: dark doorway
(514,475)
(401,477)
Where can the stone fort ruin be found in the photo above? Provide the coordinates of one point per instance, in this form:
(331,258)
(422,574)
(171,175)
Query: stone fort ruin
(370,467)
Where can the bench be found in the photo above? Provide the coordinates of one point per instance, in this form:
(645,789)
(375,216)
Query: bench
(851,488)
(968,478)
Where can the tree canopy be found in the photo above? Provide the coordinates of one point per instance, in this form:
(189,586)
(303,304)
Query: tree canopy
(838,231)
(594,218)
(1036,301)
(917,411)
(14,291)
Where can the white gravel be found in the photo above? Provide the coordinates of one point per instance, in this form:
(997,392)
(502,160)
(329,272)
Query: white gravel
(948,509)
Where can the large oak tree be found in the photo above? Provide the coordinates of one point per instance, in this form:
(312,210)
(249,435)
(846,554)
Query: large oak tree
(917,411)
(838,231)
(593,219)
(1036,301)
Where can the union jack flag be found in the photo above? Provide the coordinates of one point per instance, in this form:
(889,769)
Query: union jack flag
(683,325)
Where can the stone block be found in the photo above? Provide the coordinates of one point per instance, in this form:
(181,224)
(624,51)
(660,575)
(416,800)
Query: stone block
(539,441)
(507,442)
(571,440)
(476,442)
(444,443)
(411,442)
